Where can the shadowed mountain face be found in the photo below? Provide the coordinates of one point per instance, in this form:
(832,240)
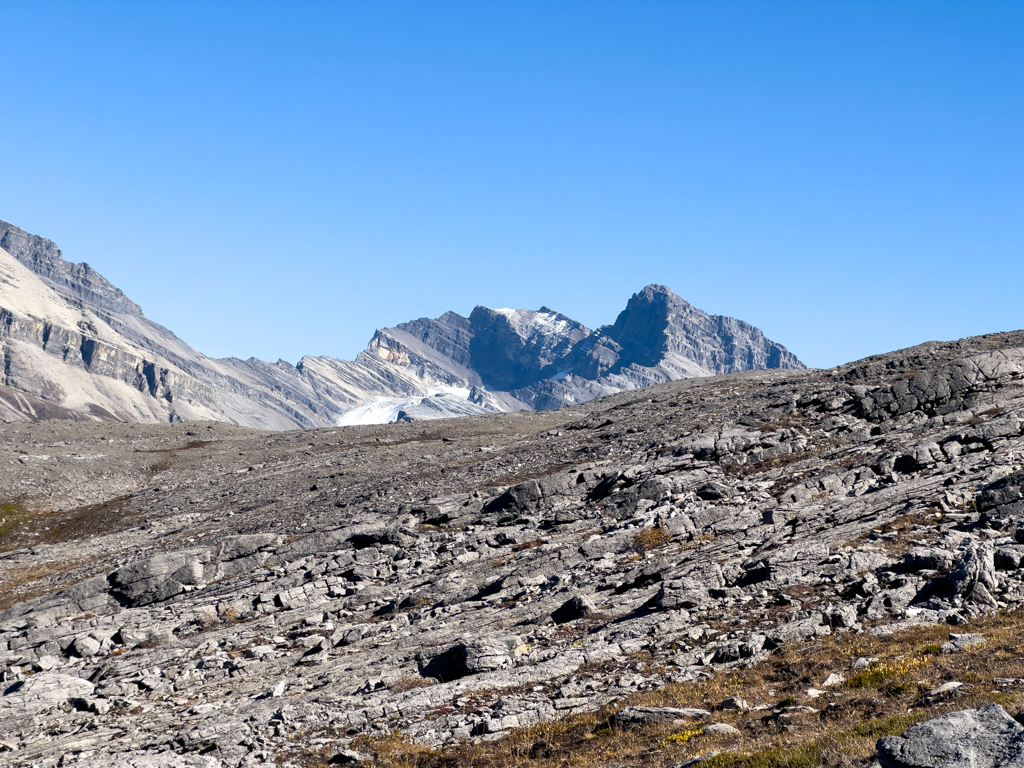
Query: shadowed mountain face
(73,339)
(513,348)
(658,337)
(658,328)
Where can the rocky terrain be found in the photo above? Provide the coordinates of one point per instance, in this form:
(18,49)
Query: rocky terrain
(72,340)
(766,568)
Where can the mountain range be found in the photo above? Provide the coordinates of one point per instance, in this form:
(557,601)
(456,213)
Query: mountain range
(75,346)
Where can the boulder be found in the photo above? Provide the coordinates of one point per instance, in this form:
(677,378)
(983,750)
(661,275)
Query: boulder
(959,642)
(682,593)
(577,607)
(973,579)
(721,729)
(519,499)
(85,646)
(733,703)
(159,577)
(466,658)
(44,691)
(636,716)
(973,738)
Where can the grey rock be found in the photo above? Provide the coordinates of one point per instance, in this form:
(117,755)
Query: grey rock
(682,593)
(1009,558)
(465,658)
(633,716)
(153,760)
(85,646)
(577,607)
(929,558)
(973,738)
(960,642)
(974,577)
(160,577)
(800,629)
(733,703)
(721,730)
(842,617)
(42,692)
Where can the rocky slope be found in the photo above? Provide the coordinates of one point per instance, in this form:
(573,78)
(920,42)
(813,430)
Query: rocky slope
(201,594)
(72,339)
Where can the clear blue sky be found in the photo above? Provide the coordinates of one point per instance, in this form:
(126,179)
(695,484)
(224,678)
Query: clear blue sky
(279,179)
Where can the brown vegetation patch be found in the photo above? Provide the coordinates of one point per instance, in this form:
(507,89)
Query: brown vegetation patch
(18,584)
(26,528)
(191,444)
(840,731)
(411,682)
(651,538)
(12,516)
(522,546)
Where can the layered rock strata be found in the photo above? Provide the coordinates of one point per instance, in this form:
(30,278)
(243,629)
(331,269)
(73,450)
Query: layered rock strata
(71,338)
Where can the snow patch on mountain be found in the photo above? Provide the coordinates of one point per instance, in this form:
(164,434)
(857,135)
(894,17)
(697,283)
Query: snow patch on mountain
(437,403)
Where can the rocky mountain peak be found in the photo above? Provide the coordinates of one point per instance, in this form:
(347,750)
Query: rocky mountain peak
(78,283)
(643,328)
(657,323)
(513,348)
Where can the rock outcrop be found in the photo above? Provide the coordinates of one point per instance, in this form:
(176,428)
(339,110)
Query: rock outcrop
(973,738)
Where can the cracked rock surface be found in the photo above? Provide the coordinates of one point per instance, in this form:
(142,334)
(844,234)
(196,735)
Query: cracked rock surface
(204,595)
(973,738)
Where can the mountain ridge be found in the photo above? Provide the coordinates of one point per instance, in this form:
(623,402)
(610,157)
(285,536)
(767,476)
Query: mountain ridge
(494,360)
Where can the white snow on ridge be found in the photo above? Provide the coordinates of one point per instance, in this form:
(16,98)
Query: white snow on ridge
(540,321)
(385,410)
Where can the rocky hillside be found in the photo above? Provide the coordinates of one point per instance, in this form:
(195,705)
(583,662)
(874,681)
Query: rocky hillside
(766,568)
(73,340)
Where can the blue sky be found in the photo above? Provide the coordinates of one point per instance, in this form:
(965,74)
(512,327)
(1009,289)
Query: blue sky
(280,179)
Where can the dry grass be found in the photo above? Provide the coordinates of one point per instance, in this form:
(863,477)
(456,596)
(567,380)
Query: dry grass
(20,584)
(650,539)
(840,732)
(21,527)
(523,546)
